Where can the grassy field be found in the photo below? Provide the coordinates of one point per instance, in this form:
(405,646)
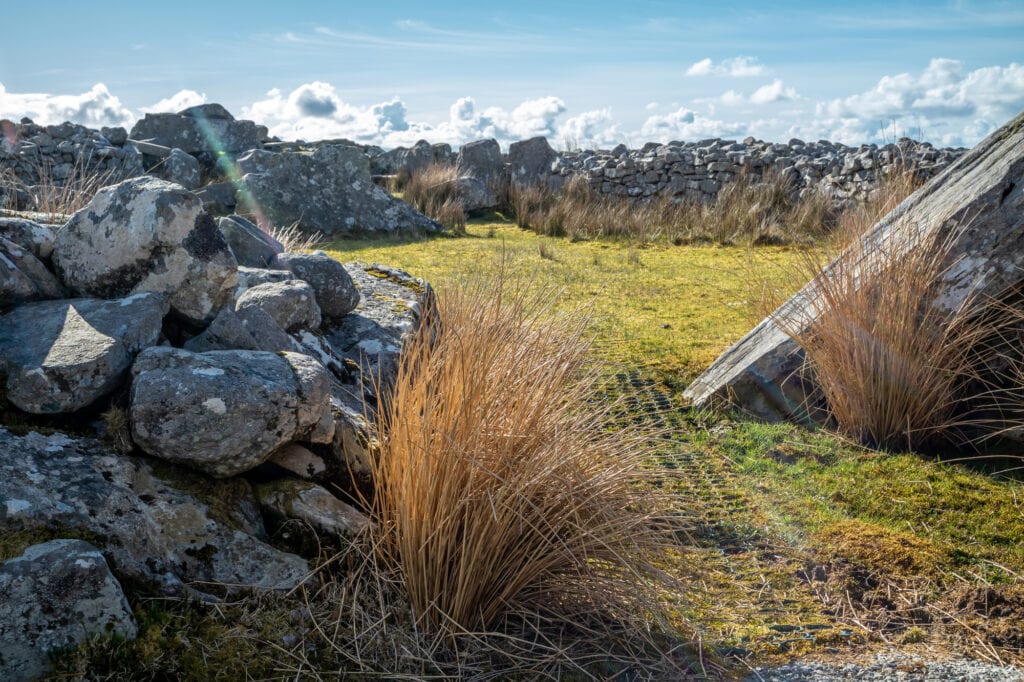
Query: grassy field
(799,542)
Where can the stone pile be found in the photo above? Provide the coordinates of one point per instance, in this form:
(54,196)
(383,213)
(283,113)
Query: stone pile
(43,156)
(232,379)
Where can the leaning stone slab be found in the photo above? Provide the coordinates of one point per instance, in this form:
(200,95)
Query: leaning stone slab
(329,191)
(28,234)
(175,532)
(60,356)
(248,329)
(252,246)
(530,162)
(978,200)
(221,412)
(56,595)
(145,234)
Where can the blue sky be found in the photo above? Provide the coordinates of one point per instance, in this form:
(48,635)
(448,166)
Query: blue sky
(593,73)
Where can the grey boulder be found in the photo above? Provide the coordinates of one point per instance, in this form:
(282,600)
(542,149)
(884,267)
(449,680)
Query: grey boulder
(29,235)
(56,595)
(180,168)
(474,194)
(482,159)
(23,277)
(292,304)
(336,293)
(309,503)
(60,356)
(530,161)
(252,246)
(206,128)
(223,412)
(247,329)
(250,277)
(145,234)
(329,191)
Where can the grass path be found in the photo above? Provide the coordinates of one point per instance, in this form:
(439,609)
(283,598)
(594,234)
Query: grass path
(799,542)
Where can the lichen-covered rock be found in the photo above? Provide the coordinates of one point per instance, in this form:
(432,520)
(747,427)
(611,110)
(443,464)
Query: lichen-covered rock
(206,128)
(250,277)
(221,412)
(252,246)
(530,162)
(29,235)
(336,294)
(474,194)
(143,520)
(148,235)
(292,304)
(329,191)
(56,595)
(248,329)
(482,159)
(23,277)
(60,356)
(180,168)
(294,499)
(314,422)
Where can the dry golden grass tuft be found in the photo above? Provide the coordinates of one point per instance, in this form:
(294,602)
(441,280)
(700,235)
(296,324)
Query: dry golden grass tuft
(503,496)
(434,192)
(57,197)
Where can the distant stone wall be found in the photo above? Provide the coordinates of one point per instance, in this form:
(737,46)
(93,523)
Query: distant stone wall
(698,170)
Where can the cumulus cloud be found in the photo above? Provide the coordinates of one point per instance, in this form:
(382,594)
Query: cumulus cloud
(773,92)
(94,108)
(684,124)
(943,102)
(737,67)
(183,99)
(591,129)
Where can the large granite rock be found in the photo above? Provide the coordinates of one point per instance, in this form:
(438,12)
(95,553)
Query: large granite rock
(336,294)
(179,168)
(247,329)
(224,412)
(530,162)
(482,159)
(34,237)
(60,356)
(148,235)
(291,303)
(174,532)
(329,191)
(979,201)
(293,499)
(474,194)
(407,161)
(56,595)
(205,128)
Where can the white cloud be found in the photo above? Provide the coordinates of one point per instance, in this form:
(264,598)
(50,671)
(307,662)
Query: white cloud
(942,103)
(737,67)
(773,92)
(94,108)
(684,124)
(591,129)
(183,99)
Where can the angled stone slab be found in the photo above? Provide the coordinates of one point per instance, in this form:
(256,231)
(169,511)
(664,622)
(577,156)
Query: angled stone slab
(978,202)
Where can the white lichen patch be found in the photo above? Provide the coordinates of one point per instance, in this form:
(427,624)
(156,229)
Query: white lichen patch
(17,506)
(215,405)
(209,371)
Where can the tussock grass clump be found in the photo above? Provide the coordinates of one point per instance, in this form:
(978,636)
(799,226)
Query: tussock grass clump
(502,494)
(895,364)
(57,197)
(434,192)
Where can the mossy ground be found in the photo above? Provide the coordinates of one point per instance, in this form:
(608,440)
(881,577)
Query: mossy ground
(798,543)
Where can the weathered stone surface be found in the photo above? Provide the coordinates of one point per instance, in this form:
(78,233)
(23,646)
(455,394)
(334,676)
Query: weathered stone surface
(482,160)
(252,246)
(475,194)
(56,595)
(979,200)
(179,168)
(250,277)
(195,130)
(314,408)
(336,294)
(530,161)
(60,356)
(148,235)
(248,329)
(177,542)
(218,197)
(34,237)
(329,191)
(222,412)
(407,161)
(292,304)
(309,503)
(299,460)
(23,277)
